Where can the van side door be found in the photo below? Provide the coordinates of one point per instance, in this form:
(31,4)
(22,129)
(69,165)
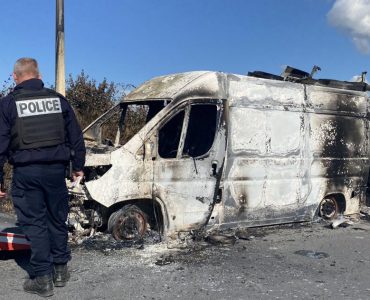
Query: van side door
(190,152)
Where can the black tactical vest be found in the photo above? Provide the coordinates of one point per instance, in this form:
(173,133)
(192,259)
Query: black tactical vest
(39,122)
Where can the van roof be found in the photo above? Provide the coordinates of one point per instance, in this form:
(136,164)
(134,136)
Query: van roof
(210,84)
(165,87)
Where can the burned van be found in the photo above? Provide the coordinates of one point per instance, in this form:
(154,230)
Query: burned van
(215,149)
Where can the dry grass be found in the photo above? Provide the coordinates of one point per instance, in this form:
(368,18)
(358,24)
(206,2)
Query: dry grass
(6,205)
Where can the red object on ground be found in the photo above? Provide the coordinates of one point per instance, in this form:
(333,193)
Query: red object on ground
(10,241)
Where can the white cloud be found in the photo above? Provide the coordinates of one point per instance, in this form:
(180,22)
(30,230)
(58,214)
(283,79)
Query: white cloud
(356,78)
(353,18)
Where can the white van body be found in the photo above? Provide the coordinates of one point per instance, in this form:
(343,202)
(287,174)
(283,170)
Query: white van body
(246,152)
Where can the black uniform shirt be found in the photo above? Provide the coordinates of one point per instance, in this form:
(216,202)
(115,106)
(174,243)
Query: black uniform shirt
(54,154)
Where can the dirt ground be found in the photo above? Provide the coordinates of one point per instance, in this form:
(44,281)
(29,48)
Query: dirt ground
(304,261)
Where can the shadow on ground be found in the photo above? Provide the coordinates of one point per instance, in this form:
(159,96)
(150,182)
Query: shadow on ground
(21,257)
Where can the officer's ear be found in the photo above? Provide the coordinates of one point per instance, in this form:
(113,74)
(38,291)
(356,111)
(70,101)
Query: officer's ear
(15,78)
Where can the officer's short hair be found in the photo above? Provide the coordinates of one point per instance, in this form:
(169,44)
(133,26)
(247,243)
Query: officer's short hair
(26,65)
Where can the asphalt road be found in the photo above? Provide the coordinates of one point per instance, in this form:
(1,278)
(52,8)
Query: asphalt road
(307,261)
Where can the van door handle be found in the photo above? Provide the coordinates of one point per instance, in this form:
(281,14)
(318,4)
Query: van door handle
(214,167)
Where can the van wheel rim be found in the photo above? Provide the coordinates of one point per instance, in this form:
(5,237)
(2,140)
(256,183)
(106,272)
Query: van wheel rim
(329,208)
(130,225)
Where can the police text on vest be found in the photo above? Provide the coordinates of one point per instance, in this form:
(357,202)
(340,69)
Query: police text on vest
(35,107)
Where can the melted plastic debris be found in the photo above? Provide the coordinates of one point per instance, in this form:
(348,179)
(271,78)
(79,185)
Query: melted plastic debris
(218,239)
(165,260)
(312,254)
(341,221)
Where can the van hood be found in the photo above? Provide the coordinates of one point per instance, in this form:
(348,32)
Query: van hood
(126,179)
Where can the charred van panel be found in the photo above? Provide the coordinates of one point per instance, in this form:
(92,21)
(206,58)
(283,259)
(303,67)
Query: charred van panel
(266,144)
(339,131)
(335,101)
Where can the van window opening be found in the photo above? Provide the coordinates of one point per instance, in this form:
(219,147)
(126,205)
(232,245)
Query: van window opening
(169,136)
(124,123)
(200,132)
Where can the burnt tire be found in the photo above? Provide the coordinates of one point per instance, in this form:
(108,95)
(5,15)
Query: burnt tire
(329,208)
(128,223)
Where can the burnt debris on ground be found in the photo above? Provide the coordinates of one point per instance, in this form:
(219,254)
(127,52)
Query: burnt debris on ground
(365,213)
(105,242)
(194,241)
(191,242)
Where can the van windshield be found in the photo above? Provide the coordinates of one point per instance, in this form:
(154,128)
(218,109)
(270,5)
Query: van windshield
(119,124)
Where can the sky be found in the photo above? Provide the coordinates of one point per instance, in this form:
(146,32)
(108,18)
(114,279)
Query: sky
(130,41)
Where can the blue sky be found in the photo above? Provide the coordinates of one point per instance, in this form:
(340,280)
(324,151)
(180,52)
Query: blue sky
(130,41)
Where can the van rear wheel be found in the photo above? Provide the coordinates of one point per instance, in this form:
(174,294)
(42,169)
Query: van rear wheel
(128,223)
(329,208)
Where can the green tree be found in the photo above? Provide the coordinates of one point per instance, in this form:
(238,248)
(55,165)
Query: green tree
(6,205)
(89,98)
(6,86)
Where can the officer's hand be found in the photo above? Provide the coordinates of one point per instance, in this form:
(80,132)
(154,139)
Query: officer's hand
(76,174)
(2,194)
(2,191)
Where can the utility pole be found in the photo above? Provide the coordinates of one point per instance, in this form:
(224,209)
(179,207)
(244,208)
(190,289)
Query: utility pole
(60,82)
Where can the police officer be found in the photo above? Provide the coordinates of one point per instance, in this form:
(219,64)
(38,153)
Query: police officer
(38,133)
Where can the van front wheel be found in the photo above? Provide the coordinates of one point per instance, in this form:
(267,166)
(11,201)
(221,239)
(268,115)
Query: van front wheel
(329,208)
(128,223)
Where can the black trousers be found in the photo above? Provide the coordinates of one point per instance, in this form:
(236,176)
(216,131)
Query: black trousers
(40,199)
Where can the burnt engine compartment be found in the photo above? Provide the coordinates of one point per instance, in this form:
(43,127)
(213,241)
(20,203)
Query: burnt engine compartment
(86,216)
